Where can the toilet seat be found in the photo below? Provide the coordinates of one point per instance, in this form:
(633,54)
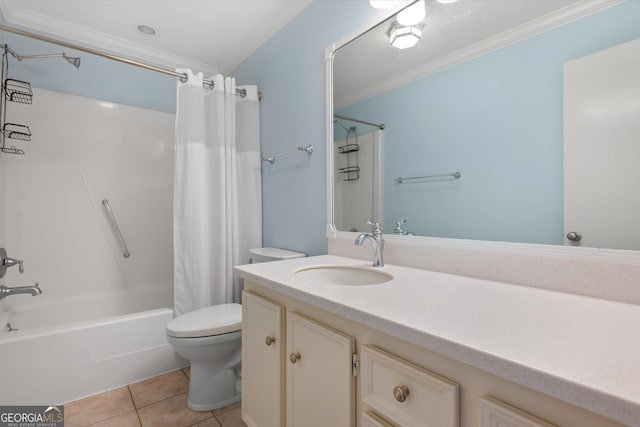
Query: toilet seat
(208,321)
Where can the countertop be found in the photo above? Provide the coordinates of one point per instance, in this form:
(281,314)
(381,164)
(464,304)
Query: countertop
(582,350)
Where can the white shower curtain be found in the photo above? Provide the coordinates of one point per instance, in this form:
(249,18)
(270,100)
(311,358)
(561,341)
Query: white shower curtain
(217,204)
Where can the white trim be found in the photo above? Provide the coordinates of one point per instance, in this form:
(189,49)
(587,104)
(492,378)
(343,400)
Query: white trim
(523,32)
(42,23)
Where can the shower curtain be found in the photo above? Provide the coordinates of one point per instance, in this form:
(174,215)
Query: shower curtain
(217,190)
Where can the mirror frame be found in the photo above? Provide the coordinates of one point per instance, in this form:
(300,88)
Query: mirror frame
(570,253)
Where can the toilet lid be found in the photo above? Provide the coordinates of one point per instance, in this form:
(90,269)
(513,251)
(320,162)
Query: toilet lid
(208,321)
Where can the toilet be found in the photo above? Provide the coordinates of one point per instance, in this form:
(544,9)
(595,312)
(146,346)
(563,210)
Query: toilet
(211,339)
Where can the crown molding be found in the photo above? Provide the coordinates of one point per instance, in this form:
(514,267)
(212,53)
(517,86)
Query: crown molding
(523,32)
(17,16)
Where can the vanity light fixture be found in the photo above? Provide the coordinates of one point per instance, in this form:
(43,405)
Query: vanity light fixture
(413,14)
(402,37)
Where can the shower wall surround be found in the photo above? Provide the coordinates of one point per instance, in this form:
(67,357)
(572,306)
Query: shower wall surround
(2,203)
(81,152)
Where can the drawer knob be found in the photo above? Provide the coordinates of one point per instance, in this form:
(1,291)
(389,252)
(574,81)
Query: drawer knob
(294,357)
(270,340)
(400,392)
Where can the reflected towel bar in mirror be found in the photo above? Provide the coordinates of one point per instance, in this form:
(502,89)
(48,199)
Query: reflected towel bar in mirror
(455,175)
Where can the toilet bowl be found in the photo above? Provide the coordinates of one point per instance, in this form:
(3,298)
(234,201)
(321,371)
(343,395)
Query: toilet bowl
(211,339)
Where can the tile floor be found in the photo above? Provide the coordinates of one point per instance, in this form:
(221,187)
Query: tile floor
(157,402)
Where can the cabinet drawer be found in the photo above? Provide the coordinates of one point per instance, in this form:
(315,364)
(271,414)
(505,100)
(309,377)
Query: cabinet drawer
(370,419)
(406,394)
(494,413)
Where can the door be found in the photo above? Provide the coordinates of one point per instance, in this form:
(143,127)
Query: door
(320,383)
(602,148)
(262,362)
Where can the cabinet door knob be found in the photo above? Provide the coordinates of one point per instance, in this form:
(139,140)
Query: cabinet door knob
(294,357)
(400,392)
(270,340)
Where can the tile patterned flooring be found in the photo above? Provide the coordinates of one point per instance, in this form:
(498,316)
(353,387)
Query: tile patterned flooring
(157,402)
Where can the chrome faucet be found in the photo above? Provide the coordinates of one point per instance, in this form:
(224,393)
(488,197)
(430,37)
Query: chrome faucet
(378,242)
(6,262)
(6,291)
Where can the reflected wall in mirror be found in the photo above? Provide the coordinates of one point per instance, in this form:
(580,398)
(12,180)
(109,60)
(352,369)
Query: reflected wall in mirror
(492,91)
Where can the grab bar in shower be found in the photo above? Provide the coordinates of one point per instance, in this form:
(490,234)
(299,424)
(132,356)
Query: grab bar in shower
(116,229)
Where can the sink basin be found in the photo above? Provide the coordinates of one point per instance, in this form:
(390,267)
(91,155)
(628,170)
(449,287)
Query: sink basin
(343,275)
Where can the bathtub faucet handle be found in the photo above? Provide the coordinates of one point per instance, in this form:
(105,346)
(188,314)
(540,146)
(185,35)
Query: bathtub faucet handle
(6,262)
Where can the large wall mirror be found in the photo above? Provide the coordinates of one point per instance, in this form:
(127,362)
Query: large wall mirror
(510,121)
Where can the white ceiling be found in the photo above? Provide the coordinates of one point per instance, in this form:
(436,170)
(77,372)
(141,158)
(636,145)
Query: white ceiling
(205,35)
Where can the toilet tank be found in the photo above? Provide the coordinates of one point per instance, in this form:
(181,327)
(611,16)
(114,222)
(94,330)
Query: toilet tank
(272,254)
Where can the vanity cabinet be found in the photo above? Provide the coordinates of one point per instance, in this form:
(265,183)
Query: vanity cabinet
(398,383)
(316,367)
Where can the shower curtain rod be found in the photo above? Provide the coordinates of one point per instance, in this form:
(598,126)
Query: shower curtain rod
(182,77)
(351,119)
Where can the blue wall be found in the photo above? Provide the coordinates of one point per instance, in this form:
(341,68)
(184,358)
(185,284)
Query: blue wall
(497,120)
(97,77)
(290,71)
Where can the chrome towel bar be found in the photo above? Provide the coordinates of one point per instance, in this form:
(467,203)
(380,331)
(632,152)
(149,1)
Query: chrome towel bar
(116,228)
(271,159)
(455,175)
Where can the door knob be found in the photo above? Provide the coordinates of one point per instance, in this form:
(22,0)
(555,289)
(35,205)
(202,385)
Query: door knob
(270,340)
(574,236)
(294,357)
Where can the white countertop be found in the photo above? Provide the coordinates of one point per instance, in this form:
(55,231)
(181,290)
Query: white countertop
(582,350)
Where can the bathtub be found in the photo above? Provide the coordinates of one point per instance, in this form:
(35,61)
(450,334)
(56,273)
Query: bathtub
(68,349)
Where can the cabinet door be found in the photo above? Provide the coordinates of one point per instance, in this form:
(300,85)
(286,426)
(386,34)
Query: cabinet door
(262,361)
(320,382)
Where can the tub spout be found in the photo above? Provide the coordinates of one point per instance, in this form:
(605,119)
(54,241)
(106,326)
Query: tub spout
(6,291)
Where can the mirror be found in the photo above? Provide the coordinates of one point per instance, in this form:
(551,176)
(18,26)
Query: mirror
(477,118)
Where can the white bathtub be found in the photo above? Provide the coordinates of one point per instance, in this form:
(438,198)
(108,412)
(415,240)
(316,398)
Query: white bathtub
(77,347)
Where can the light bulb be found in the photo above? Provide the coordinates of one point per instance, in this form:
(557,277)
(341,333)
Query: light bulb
(413,14)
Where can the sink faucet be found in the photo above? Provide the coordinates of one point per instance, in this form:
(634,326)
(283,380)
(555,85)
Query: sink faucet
(6,291)
(378,242)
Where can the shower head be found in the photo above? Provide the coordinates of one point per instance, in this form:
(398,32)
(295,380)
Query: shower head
(75,61)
